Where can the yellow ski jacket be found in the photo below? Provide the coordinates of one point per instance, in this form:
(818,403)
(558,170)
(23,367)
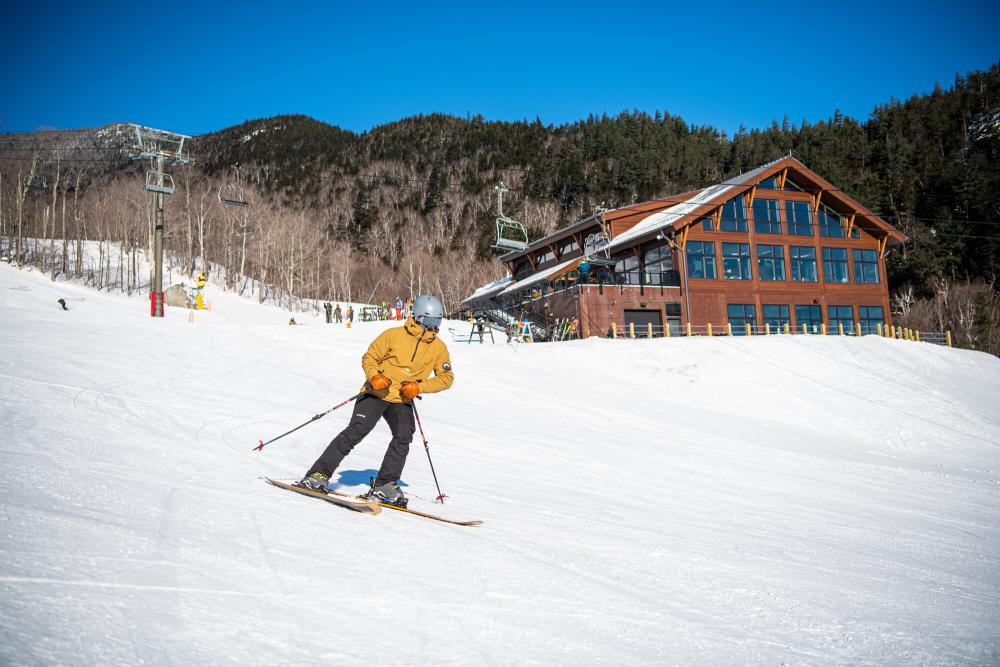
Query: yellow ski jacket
(409,352)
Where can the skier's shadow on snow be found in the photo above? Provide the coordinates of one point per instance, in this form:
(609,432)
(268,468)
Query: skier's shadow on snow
(359,477)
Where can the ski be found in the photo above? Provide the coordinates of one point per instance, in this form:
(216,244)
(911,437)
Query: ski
(435,517)
(357,504)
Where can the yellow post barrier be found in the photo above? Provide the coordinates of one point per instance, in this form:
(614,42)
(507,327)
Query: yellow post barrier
(822,328)
(840,328)
(649,329)
(748,330)
(804,329)
(788,328)
(857,329)
(614,330)
(947,337)
(729,328)
(916,335)
(878,327)
(631,329)
(666,330)
(689,328)
(708,329)
(767,328)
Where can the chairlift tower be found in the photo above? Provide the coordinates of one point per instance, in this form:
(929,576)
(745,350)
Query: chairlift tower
(161,148)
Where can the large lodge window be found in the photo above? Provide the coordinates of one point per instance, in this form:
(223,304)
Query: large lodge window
(798,214)
(865,267)
(835,265)
(701,259)
(567,248)
(870,318)
(627,270)
(734,216)
(544,256)
(841,316)
(771,262)
(740,315)
(810,316)
(736,261)
(776,315)
(658,264)
(803,264)
(765,216)
(830,223)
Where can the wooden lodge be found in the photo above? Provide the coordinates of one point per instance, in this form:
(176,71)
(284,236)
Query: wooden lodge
(776,249)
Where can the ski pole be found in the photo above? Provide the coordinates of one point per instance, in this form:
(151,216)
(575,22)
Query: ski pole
(440,496)
(260,447)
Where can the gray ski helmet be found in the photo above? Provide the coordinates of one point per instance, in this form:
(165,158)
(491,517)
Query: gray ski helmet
(428,311)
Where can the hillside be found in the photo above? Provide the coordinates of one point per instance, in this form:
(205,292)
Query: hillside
(799,500)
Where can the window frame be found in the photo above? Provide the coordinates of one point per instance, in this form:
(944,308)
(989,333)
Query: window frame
(823,217)
(740,257)
(792,222)
(833,321)
(739,222)
(863,266)
(866,320)
(771,261)
(778,322)
(829,264)
(797,262)
(702,256)
(767,225)
(815,325)
(739,323)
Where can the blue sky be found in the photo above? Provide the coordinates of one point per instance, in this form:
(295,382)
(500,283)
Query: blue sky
(198,67)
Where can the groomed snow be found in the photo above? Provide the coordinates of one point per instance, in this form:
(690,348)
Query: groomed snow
(725,501)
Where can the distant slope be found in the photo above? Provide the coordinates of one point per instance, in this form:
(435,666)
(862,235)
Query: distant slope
(806,500)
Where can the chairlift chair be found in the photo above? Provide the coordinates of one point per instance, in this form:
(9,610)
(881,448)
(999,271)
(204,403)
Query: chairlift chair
(511,235)
(158,181)
(232,195)
(37,184)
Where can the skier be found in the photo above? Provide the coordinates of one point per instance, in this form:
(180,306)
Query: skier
(397,367)
(328,307)
(337,314)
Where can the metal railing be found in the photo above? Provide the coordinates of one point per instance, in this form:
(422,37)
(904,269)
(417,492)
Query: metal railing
(649,330)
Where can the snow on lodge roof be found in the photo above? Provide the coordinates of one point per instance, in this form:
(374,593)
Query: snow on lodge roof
(668,217)
(553,271)
(489,290)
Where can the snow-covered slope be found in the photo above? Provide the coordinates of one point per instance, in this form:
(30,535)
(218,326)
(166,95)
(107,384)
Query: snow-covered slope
(686,501)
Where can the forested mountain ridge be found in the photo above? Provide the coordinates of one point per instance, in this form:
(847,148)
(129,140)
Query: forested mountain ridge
(388,209)
(930,163)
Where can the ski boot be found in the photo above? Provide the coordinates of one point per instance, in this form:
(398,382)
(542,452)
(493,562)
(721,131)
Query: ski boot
(314,481)
(388,493)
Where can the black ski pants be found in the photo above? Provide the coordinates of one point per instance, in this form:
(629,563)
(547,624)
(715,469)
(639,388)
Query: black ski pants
(367,411)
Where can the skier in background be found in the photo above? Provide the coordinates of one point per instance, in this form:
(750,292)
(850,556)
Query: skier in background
(350,314)
(329,312)
(337,315)
(398,367)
